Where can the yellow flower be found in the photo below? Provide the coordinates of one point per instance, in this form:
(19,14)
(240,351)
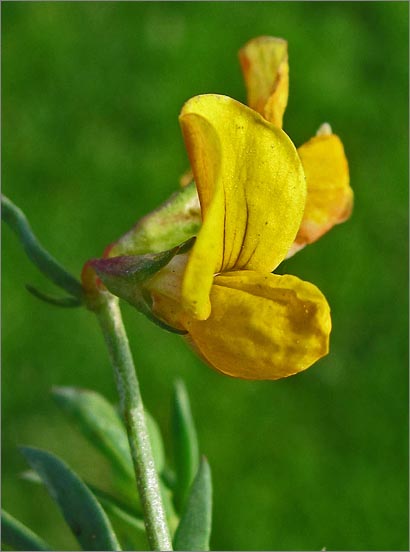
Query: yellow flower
(264,62)
(261,200)
(243,320)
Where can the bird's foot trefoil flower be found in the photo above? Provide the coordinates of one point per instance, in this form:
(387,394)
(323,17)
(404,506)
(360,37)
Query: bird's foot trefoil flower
(256,201)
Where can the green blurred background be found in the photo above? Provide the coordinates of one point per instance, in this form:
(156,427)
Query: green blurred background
(91,94)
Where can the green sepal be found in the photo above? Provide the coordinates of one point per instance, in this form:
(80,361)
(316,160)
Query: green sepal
(125,276)
(185,444)
(19,537)
(194,529)
(173,222)
(81,510)
(144,307)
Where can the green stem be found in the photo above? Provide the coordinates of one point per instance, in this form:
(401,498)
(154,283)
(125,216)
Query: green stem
(109,316)
(18,222)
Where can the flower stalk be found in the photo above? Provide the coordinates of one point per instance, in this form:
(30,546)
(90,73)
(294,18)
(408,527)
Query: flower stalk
(132,410)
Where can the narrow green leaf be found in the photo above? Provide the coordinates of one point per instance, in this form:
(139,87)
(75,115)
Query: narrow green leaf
(129,528)
(32,477)
(18,536)
(194,530)
(168,476)
(157,443)
(80,508)
(127,521)
(52,269)
(99,422)
(102,426)
(185,444)
(103,496)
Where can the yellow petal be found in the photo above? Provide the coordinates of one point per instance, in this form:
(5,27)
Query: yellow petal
(264,62)
(262,326)
(252,191)
(329,196)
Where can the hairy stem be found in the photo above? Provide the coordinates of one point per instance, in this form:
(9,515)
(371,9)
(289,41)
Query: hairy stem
(109,316)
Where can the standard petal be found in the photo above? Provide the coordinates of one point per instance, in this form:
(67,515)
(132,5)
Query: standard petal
(264,62)
(329,196)
(262,327)
(252,191)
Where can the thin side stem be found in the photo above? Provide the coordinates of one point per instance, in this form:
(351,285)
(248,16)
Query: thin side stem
(109,316)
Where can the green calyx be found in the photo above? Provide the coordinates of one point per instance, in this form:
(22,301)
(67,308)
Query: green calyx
(172,223)
(125,276)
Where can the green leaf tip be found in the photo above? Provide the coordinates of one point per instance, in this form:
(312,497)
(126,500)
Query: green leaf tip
(185,443)
(66,302)
(19,537)
(81,510)
(194,529)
